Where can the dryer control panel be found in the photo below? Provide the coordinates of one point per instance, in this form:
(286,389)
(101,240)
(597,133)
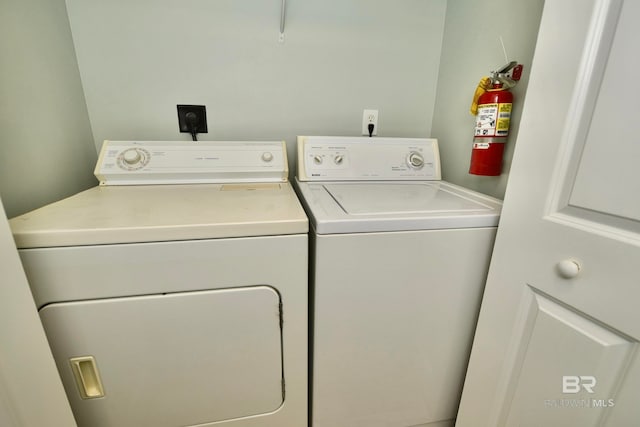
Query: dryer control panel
(323,158)
(168,162)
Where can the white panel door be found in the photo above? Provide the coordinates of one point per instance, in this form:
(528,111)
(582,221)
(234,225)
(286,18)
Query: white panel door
(31,394)
(557,338)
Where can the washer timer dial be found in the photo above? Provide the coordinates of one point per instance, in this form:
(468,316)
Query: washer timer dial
(415,160)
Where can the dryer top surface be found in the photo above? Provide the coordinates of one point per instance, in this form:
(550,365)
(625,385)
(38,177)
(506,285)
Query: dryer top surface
(152,213)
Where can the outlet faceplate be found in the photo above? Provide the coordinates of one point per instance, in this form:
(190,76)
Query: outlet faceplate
(369,117)
(201,115)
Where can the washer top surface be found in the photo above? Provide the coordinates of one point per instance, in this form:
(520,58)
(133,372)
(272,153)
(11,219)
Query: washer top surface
(166,191)
(395,198)
(376,206)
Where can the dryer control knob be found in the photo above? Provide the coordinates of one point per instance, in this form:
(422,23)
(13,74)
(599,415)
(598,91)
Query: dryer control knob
(338,159)
(131,156)
(267,156)
(415,160)
(317,160)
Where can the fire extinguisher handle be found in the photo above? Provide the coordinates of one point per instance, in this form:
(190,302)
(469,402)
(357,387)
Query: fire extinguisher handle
(506,67)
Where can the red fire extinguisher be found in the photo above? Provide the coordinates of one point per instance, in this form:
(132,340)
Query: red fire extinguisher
(492,106)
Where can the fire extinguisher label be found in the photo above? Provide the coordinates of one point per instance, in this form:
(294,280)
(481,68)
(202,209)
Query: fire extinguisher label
(493,120)
(481,145)
(504,117)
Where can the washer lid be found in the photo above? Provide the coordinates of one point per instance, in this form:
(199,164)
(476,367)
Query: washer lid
(158,213)
(357,207)
(392,199)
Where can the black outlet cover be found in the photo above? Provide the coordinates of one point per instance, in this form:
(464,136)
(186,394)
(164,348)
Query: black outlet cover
(201,114)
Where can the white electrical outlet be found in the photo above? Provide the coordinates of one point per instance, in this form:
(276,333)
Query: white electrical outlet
(369,117)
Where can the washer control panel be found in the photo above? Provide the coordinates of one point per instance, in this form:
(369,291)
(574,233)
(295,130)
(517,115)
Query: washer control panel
(168,162)
(323,158)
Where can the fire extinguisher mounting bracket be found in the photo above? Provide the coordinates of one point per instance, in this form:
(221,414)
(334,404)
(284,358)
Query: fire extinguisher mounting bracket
(502,76)
(505,68)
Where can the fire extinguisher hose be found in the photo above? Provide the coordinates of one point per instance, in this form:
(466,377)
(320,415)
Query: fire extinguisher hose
(483,86)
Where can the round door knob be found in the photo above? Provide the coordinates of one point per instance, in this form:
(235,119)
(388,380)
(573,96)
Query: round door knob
(415,160)
(267,156)
(131,156)
(568,268)
(338,159)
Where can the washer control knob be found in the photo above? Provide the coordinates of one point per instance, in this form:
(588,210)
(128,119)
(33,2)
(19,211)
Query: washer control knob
(317,160)
(267,156)
(415,160)
(338,159)
(131,156)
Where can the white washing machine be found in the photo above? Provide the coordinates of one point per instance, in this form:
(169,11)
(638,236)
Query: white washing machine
(175,293)
(398,265)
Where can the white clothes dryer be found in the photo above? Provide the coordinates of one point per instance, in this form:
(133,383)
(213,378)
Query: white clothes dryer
(398,263)
(175,293)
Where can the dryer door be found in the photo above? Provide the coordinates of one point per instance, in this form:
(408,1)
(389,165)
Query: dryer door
(170,359)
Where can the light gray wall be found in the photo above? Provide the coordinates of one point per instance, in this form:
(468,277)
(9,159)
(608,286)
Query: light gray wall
(139,58)
(45,136)
(471,49)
